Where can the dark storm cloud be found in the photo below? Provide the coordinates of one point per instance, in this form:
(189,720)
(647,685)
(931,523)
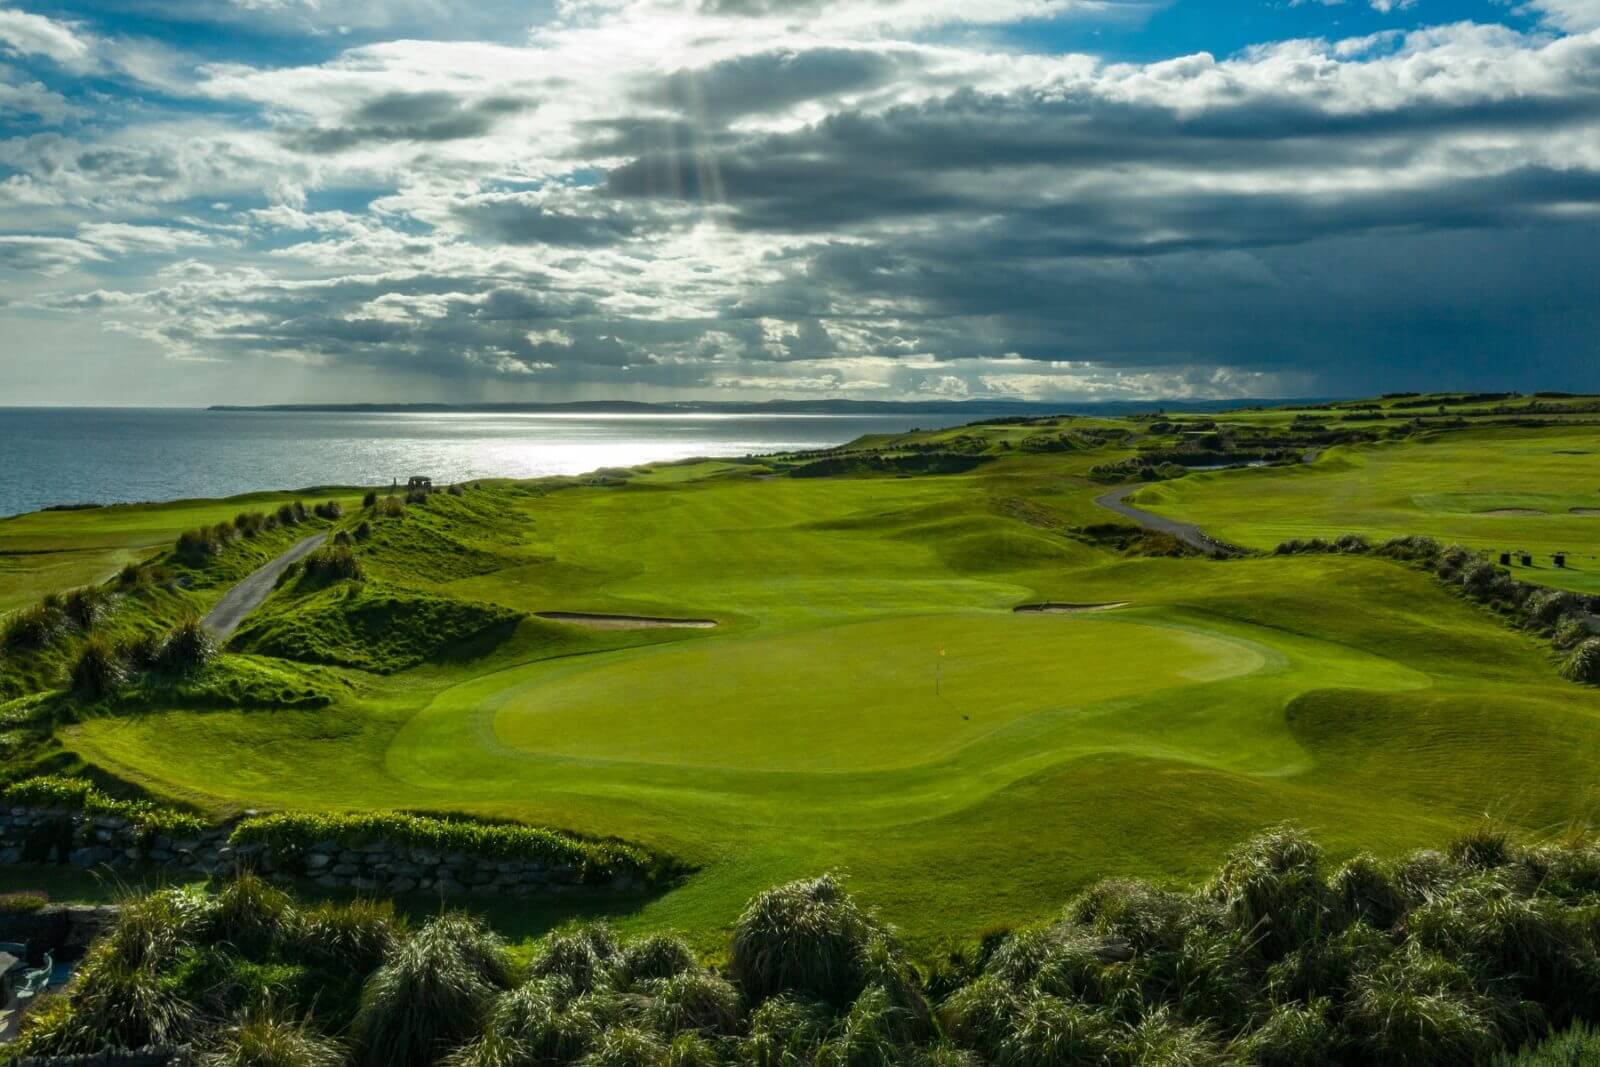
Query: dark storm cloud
(773,81)
(525,219)
(424,117)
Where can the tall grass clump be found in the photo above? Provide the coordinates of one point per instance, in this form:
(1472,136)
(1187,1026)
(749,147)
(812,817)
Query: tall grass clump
(329,509)
(333,563)
(250,523)
(36,626)
(99,670)
(1583,663)
(187,648)
(369,499)
(807,938)
(264,1040)
(86,607)
(358,934)
(430,997)
(195,547)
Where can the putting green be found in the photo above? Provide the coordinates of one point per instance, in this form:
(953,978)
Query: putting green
(868,696)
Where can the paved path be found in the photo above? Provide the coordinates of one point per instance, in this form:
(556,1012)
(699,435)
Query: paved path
(1190,534)
(249,594)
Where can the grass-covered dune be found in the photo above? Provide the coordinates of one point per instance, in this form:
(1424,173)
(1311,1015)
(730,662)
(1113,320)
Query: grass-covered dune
(869,700)
(1457,956)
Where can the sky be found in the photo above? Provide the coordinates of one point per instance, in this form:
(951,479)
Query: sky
(268,201)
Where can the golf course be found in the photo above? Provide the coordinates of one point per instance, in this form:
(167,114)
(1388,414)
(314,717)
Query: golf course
(870,701)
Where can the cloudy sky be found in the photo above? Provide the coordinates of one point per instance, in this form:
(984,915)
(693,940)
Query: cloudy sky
(280,200)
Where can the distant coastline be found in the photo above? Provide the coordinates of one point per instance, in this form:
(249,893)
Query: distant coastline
(976,408)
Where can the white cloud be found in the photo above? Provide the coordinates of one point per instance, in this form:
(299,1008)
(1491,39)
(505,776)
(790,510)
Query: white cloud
(26,34)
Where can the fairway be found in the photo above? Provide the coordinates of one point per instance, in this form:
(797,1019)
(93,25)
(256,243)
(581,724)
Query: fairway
(1506,490)
(867,696)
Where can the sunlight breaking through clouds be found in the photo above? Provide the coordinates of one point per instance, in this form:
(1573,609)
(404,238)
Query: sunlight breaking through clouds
(865,197)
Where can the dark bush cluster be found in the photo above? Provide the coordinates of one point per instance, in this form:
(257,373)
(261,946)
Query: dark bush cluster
(329,509)
(37,626)
(197,546)
(1136,469)
(333,563)
(292,514)
(1447,957)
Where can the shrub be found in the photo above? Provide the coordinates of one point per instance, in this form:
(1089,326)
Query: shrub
(85,608)
(329,509)
(363,530)
(580,956)
(35,627)
(1583,663)
(99,670)
(1413,547)
(536,1023)
(250,523)
(785,1032)
(1420,1009)
(456,490)
(693,1000)
(187,648)
(1365,890)
(1546,607)
(265,1041)
(142,651)
(1046,1031)
(287,516)
(656,956)
(466,938)
(424,1002)
(390,507)
(1272,888)
(342,539)
(333,564)
(117,1003)
(626,1046)
(1570,633)
(1352,542)
(251,916)
(1451,561)
(369,498)
(1293,1035)
(195,547)
(132,575)
(805,937)
(357,934)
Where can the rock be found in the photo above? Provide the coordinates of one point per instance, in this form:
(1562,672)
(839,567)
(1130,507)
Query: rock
(401,885)
(329,881)
(91,856)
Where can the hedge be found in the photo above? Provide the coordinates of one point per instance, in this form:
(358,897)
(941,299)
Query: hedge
(80,795)
(595,860)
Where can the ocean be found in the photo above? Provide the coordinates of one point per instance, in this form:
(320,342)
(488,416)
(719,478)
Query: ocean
(117,455)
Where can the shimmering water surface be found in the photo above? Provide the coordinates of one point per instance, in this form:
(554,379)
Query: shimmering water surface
(61,455)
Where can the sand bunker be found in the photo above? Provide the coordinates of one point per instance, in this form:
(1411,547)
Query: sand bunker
(625,622)
(1068,609)
(1511,511)
(1584,511)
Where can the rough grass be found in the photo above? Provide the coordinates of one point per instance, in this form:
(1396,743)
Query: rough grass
(371,627)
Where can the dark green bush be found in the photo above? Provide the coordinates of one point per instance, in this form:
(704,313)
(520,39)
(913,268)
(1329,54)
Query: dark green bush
(329,509)
(250,523)
(334,563)
(456,490)
(1583,663)
(252,916)
(288,516)
(85,608)
(342,539)
(195,547)
(655,956)
(356,934)
(363,530)
(35,627)
(99,670)
(262,1040)
(423,1003)
(187,648)
(806,938)
(390,507)
(581,957)
(540,1022)
(369,498)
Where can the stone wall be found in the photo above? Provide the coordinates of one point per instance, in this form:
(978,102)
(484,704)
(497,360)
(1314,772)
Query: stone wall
(45,835)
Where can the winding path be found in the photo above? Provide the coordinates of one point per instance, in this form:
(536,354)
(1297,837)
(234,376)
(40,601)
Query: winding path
(1117,500)
(249,594)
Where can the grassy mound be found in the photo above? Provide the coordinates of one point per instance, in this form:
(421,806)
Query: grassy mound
(371,627)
